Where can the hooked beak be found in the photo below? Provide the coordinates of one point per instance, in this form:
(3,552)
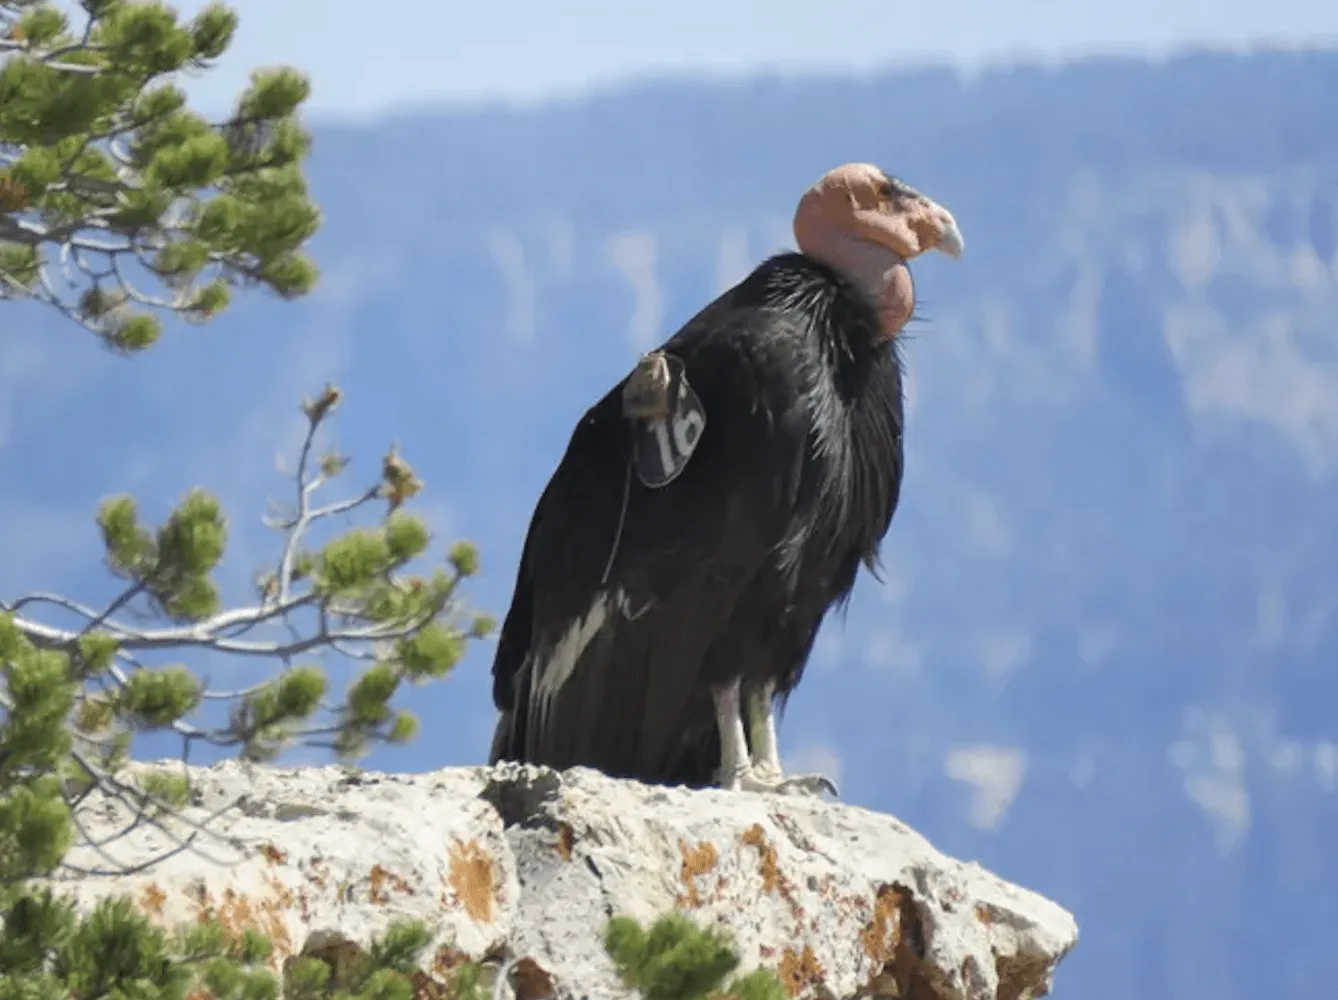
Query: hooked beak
(950,237)
(913,224)
(937,229)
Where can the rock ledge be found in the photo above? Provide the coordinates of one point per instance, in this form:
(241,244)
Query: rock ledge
(528,862)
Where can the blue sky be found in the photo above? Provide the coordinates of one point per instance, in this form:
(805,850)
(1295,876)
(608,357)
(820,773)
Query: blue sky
(522,49)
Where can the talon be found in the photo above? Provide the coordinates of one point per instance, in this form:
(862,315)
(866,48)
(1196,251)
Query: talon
(759,780)
(646,393)
(767,772)
(811,784)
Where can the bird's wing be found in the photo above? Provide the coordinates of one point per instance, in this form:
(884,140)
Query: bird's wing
(513,643)
(624,587)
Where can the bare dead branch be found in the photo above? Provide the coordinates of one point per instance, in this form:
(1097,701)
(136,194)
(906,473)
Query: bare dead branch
(331,624)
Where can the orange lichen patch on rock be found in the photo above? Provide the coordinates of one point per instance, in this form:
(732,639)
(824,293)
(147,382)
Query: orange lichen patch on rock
(282,894)
(768,868)
(151,899)
(799,969)
(756,838)
(471,879)
(237,912)
(882,934)
(273,855)
(697,861)
(379,879)
(893,939)
(566,839)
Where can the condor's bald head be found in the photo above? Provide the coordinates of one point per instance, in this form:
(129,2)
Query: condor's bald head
(867,224)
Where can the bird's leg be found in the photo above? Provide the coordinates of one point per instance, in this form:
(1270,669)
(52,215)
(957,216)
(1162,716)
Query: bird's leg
(736,768)
(762,731)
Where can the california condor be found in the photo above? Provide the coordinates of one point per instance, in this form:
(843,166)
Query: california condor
(715,504)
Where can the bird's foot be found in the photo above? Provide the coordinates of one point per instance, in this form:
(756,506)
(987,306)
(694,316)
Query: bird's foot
(766,780)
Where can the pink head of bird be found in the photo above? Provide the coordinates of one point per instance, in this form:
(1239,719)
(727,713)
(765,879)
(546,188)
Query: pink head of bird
(867,225)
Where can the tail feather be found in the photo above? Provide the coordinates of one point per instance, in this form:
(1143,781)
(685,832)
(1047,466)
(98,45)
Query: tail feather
(501,740)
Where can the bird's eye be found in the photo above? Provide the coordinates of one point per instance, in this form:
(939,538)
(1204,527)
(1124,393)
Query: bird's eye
(891,188)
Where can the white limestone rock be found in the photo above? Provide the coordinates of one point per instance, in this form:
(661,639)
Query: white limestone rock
(528,862)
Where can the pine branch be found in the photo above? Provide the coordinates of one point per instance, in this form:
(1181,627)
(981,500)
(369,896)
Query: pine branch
(354,595)
(110,185)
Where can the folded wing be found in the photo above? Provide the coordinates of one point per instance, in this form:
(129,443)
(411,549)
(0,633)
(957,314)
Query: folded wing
(624,589)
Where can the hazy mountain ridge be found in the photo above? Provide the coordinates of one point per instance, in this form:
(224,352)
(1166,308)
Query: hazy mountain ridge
(1109,599)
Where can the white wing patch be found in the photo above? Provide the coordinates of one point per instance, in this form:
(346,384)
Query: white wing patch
(566,652)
